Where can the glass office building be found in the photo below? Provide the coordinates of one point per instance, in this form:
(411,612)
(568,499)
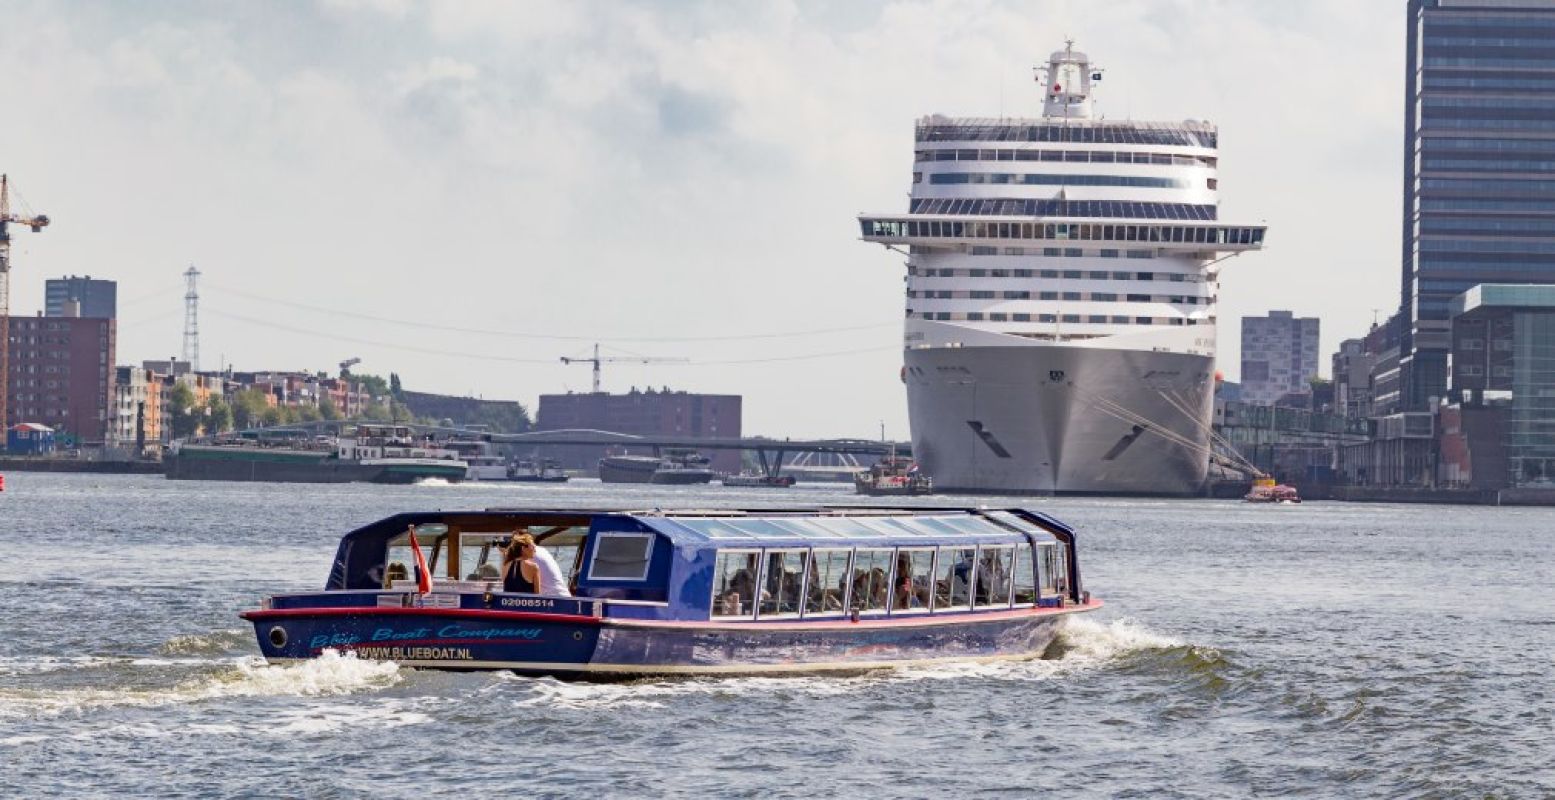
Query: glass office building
(1503,354)
(1479,167)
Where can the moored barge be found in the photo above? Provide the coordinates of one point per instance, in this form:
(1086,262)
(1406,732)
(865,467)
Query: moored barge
(691,592)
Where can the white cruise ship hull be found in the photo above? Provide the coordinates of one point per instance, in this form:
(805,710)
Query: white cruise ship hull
(1044,419)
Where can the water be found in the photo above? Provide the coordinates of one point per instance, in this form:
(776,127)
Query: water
(1321,650)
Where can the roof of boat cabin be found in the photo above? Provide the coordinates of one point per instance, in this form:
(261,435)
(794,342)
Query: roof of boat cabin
(836,526)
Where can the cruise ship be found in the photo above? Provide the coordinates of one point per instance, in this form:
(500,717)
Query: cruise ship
(1061,282)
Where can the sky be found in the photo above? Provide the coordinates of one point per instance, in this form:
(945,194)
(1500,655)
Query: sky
(463,192)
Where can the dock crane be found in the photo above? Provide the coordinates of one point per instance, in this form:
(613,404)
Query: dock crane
(36,223)
(346,365)
(596,361)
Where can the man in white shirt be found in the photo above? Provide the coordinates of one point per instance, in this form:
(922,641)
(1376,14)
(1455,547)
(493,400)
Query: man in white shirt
(547,575)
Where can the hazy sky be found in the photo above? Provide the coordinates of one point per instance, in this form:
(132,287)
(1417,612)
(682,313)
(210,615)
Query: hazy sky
(358,177)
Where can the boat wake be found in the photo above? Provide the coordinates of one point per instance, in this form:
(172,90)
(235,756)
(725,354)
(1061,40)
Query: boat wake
(329,674)
(1083,645)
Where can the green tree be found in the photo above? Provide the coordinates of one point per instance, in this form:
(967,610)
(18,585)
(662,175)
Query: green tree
(328,409)
(218,416)
(308,414)
(272,415)
(372,384)
(395,390)
(248,408)
(181,408)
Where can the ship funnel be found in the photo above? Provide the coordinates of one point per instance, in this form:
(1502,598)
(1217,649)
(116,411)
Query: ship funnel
(1069,76)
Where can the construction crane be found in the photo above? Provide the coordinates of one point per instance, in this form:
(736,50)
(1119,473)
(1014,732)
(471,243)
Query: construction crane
(345,366)
(36,223)
(596,361)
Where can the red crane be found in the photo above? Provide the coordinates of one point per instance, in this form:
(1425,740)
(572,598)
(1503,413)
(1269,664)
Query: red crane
(36,223)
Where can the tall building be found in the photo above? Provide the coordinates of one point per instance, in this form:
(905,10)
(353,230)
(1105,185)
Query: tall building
(665,413)
(84,296)
(1279,356)
(1352,369)
(62,376)
(1479,168)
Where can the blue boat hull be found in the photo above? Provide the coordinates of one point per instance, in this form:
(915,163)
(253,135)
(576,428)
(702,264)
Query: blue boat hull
(584,646)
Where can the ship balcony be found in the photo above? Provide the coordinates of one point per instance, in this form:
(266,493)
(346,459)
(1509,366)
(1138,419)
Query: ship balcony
(930,230)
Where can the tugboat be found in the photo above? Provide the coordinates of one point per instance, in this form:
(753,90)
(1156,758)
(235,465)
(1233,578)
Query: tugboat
(1265,490)
(895,477)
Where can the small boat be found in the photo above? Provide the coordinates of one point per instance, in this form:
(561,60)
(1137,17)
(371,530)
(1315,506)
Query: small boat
(485,463)
(747,480)
(893,476)
(1265,490)
(654,593)
(539,470)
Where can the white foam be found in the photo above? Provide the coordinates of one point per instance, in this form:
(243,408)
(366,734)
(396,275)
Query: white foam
(1088,640)
(329,674)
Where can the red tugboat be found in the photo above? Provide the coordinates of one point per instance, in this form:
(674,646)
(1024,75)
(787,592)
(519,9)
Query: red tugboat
(1265,490)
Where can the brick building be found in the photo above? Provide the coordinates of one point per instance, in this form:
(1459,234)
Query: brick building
(62,376)
(644,413)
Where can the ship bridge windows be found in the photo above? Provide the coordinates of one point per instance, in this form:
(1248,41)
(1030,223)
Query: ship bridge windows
(1037,179)
(1031,207)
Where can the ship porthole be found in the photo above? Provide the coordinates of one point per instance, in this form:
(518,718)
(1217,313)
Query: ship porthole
(278,636)
(577,636)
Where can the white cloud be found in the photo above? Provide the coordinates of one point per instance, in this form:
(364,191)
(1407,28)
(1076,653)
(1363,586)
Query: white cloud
(641,171)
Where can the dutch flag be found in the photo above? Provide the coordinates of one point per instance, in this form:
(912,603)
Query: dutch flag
(423,575)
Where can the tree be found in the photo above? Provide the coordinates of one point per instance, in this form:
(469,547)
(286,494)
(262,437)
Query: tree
(328,409)
(248,407)
(395,390)
(372,384)
(218,416)
(272,415)
(308,414)
(181,407)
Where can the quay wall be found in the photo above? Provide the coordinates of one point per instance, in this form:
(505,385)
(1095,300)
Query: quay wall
(79,465)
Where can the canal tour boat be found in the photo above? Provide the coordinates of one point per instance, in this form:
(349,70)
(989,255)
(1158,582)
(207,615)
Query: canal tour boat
(691,592)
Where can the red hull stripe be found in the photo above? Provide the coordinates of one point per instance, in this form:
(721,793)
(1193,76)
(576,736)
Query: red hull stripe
(913,620)
(398,611)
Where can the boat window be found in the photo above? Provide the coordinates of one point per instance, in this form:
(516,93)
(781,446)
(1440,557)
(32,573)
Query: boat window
(871,581)
(1025,578)
(480,555)
(734,583)
(783,582)
(621,556)
(953,581)
(400,563)
(826,585)
(914,581)
(566,546)
(1052,569)
(993,576)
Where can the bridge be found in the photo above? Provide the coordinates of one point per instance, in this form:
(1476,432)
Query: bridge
(770,452)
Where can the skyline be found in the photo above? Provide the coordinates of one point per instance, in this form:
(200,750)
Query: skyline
(706,162)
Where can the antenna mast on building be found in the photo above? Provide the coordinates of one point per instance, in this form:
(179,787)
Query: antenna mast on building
(192,319)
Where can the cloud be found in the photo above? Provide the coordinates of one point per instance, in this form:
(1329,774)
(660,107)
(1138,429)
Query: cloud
(643,171)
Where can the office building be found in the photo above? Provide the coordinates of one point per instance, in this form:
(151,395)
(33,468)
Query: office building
(1279,358)
(1503,361)
(62,376)
(80,297)
(1479,170)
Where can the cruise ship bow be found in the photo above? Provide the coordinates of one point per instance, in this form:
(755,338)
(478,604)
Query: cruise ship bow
(1062,275)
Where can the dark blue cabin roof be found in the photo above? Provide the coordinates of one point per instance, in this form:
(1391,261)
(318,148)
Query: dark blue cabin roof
(362,550)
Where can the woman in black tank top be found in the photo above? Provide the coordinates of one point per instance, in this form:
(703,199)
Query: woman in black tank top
(513,579)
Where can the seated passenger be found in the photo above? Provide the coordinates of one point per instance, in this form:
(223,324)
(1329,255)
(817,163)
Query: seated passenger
(514,577)
(537,566)
(396,572)
(485,572)
(729,605)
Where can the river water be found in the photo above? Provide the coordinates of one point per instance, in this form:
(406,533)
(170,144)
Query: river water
(1321,650)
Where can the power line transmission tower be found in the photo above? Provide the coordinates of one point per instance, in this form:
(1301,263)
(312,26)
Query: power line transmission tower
(192,320)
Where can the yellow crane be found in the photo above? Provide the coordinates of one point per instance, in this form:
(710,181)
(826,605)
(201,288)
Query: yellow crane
(596,361)
(36,223)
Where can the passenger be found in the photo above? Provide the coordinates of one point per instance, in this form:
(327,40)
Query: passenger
(514,577)
(743,581)
(729,605)
(543,572)
(485,572)
(396,572)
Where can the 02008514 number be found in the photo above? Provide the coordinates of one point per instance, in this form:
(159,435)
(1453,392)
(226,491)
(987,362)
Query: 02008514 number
(527,602)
